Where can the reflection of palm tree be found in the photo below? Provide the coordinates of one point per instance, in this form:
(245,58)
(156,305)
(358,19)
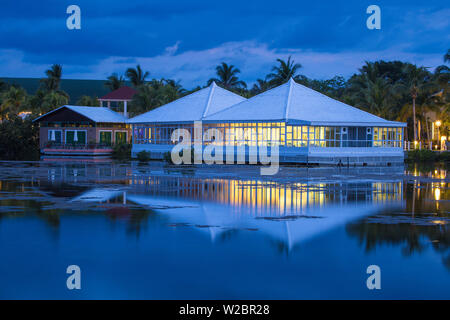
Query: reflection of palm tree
(227,77)
(137,76)
(284,71)
(114,82)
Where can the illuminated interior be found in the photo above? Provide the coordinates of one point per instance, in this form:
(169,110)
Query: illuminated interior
(273,133)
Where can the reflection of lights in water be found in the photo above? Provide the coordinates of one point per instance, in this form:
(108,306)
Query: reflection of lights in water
(442,222)
(437,194)
(279,198)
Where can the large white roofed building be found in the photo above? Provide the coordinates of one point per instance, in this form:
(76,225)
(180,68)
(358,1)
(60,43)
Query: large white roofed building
(306,125)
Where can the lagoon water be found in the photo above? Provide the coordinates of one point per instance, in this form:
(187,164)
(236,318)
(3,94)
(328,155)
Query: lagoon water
(157,232)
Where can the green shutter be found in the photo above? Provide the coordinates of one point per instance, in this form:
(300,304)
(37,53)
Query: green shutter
(105,137)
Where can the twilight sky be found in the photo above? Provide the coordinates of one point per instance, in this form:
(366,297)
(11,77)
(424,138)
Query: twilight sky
(185,39)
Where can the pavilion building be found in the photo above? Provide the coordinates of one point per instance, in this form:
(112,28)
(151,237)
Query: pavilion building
(306,126)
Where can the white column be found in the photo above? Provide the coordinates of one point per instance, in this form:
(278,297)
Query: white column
(125,113)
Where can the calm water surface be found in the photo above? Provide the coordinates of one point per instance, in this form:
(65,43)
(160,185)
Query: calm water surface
(151,232)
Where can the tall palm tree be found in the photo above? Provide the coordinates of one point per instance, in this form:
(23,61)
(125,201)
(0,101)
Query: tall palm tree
(114,82)
(442,72)
(12,101)
(227,77)
(136,76)
(53,80)
(417,81)
(284,71)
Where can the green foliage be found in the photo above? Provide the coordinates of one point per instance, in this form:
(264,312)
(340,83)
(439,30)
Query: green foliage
(13,101)
(283,72)
(88,101)
(152,95)
(427,156)
(114,82)
(143,156)
(136,75)
(53,100)
(227,77)
(121,151)
(19,140)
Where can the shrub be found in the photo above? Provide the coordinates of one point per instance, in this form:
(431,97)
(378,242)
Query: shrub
(143,156)
(19,139)
(444,156)
(121,151)
(427,156)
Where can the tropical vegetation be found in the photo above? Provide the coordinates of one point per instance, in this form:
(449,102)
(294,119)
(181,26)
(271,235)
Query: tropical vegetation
(394,90)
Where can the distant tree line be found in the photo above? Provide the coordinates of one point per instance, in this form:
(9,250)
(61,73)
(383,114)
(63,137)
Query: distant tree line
(393,90)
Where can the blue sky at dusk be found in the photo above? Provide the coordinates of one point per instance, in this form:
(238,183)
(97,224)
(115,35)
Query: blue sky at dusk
(185,39)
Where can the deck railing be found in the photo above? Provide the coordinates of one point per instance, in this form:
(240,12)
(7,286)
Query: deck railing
(77,146)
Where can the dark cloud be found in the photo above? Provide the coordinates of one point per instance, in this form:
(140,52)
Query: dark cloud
(146,28)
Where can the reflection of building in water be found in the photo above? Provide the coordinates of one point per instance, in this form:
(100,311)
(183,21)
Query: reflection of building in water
(269,197)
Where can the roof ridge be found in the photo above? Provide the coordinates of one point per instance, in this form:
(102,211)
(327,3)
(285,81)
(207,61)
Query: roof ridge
(208,101)
(171,102)
(288,99)
(249,99)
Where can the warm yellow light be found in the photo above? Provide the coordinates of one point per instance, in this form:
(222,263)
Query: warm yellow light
(438,123)
(443,138)
(415,142)
(437,194)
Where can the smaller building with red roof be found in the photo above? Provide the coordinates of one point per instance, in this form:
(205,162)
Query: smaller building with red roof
(123,94)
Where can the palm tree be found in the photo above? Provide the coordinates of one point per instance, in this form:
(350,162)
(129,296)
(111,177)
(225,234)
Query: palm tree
(114,82)
(260,86)
(177,85)
(417,81)
(12,101)
(136,76)
(53,81)
(152,95)
(373,95)
(227,77)
(284,71)
(52,100)
(88,101)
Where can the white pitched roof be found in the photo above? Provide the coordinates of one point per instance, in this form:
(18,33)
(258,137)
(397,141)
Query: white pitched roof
(96,114)
(192,107)
(295,102)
